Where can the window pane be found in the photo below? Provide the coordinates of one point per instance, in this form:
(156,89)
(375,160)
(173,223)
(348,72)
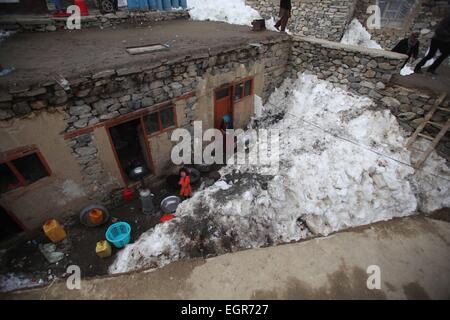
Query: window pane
(248,88)
(167,119)
(152,123)
(237,92)
(222,94)
(8,180)
(30,167)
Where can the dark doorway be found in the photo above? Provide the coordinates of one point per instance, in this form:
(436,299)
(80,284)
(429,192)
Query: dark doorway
(131,145)
(8,226)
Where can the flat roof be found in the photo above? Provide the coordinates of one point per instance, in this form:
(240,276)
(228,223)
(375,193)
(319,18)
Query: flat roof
(36,56)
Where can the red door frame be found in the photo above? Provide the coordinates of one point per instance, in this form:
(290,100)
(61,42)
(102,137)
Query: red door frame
(231,93)
(116,156)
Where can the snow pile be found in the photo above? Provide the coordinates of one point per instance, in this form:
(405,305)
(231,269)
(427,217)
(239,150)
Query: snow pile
(340,166)
(406,71)
(357,35)
(230,11)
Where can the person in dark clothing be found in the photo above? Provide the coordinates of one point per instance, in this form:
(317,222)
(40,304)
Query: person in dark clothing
(441,42)
(408,46)
(285,14)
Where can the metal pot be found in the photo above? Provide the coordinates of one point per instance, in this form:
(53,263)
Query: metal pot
(170,204)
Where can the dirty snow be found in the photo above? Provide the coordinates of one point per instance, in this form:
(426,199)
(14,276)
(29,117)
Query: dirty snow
(12,281)
(342,164)
(357,35)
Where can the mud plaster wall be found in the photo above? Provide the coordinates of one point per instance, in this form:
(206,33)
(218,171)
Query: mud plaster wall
(50,196)
(326,19)
(423,19)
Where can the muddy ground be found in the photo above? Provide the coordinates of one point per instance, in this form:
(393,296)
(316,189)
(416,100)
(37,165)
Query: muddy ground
(25,258)
(36,56)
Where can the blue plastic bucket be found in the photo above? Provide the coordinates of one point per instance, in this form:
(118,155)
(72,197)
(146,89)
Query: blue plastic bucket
(183,4)
(119,234)
(159,5)
(152,4)
(175,3)
(167,5)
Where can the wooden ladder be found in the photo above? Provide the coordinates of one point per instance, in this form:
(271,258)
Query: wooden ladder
(435,140)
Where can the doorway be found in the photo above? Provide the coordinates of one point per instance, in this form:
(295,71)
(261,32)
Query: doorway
(8,226)
(131,147)
(222,105)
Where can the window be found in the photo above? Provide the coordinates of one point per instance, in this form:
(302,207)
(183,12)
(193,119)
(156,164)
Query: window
(242,90)
(394,13)
(222,93)
(152,122)
(167,119)
(22,169)
(159,121)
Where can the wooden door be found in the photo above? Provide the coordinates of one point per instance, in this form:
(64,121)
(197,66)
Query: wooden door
(222,105)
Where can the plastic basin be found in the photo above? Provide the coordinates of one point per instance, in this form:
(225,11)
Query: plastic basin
(119,234)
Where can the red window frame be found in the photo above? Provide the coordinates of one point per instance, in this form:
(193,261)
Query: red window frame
(9,156)
(161,129)
(242,85)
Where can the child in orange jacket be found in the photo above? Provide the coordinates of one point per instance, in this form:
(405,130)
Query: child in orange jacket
(185,183)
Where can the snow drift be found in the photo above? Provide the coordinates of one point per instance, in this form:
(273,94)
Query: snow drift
(342,164)
(230,11)
(357,35)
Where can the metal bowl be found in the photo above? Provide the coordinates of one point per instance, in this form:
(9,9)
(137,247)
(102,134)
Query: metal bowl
(170,204)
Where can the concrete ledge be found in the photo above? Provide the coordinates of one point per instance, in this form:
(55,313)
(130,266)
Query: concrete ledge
(350,48)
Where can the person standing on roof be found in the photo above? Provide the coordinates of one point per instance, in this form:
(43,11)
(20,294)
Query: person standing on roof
(409,46)
(441,42)
(285,14)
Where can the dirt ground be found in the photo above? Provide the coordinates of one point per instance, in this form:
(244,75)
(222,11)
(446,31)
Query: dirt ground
(24,257)
(73,53)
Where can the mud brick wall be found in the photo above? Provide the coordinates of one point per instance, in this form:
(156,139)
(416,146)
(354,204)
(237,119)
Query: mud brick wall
(325,19)
(423,19)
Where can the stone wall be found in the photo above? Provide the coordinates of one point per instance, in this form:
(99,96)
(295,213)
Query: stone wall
(326,19)
(423,19)
(43,24)
(363,71)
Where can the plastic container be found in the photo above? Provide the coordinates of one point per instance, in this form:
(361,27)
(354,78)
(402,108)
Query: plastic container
(103,249)
(183,4)
(175,3)
(159,4)
(96,216)
(83,7)
(54,231)
(127,194)
(152,4)
(167,5)
(119,234)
